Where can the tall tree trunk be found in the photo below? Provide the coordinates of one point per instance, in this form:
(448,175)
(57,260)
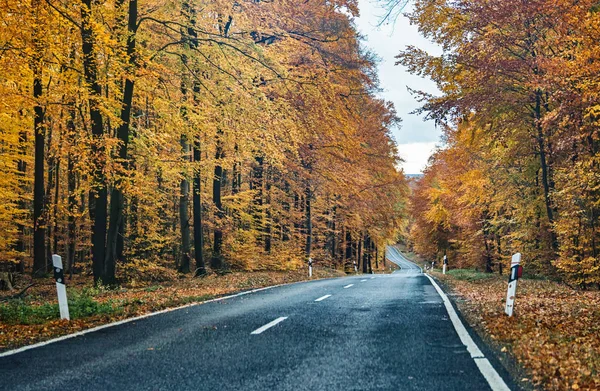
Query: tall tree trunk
(545,169)
(349,253)
(285,227)
(198,229)
(365,255)
(371,252)
(216,261)
(98,210)
(268,216)
(51,170)
(236,181)
(184,218)
(357,252)
(332,233)
(71,183)
(257,184)
(55,209)
(117,201)
(39,230)
(308,218)
(22,169)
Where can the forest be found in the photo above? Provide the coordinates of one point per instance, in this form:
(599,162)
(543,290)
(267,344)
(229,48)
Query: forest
(519,106)
(201,136)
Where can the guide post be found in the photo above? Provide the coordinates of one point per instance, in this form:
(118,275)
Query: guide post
(516,270)
(61,288)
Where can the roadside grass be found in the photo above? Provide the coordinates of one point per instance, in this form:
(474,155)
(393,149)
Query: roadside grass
(470,275)
(81,305)
(35,317)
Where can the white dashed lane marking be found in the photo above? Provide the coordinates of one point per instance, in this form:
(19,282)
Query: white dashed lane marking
(268,325)
(323,298)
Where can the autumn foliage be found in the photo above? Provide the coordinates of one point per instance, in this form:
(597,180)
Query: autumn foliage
(196,134)
(519,101)
(553,336)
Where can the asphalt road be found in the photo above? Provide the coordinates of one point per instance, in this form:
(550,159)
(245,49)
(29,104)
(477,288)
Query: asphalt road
(381,332)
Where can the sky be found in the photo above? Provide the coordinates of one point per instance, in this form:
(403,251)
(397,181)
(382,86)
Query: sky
(416,138)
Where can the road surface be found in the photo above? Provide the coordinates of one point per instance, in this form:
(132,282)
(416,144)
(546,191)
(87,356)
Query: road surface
(380,332)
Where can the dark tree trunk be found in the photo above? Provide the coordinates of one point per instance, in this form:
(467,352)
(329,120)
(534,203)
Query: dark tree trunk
(257,184)
(308,218)
(216,261)
(51,170)
(333,233)
(198,229)
(22,169)
(371,253)
(184,218)
(358,254)
(39,230)
(55,209)
(236,181)
(98,210)
(546,181)
(285,228)
(365,255)
(71,183)
(349,253)
(114,242)
(268,217)
(297,226)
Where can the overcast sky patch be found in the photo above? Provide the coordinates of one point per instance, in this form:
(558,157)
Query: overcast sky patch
(416,136)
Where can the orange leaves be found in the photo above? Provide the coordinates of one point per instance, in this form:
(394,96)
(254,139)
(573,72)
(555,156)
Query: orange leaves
(555,333)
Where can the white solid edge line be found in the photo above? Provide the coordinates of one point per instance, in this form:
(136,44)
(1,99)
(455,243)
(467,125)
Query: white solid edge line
(348,286)
(487,370)
(268,325)
(120,322)
(323,298)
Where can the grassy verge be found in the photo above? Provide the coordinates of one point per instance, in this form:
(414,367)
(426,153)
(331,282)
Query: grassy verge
(554,334)
(35,317)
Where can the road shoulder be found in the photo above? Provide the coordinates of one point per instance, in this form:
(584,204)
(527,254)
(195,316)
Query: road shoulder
(506,366)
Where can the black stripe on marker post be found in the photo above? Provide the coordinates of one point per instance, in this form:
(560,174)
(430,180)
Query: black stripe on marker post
(59,275)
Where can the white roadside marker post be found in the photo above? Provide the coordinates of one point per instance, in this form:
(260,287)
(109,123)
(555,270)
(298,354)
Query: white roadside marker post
(515,273)
(445,264)
(61,289)
(310,267)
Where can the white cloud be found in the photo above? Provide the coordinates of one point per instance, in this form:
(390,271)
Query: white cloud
(415,156)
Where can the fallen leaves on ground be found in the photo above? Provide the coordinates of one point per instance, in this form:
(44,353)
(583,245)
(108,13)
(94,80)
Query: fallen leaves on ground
(554,333)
